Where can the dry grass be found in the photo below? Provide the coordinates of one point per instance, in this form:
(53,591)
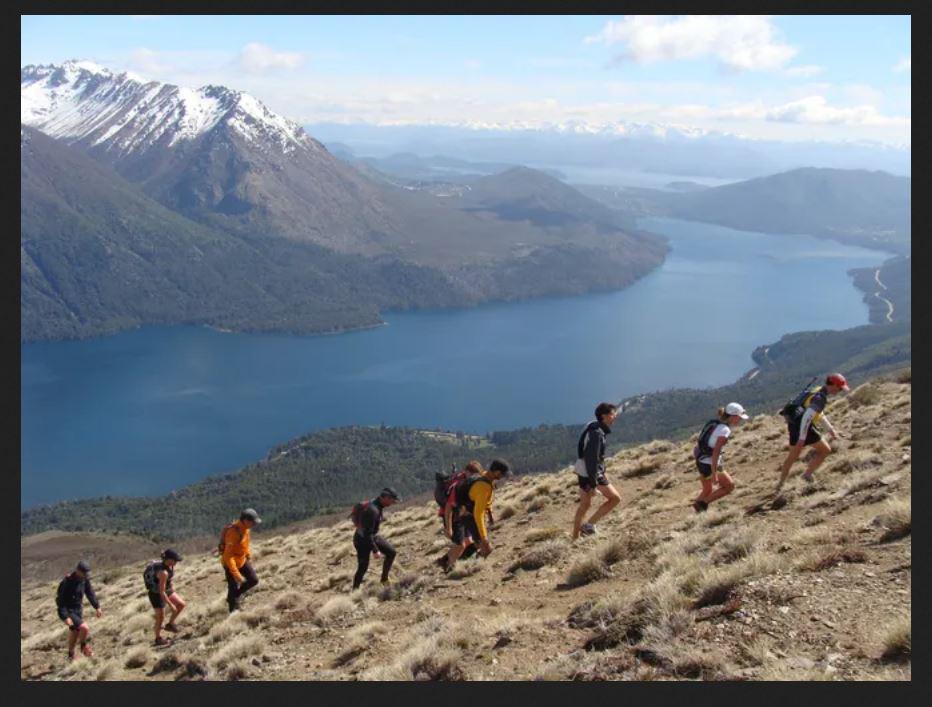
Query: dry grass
(333,610)
(833,558)
(506,511)
(717,585)
(897,519)
(644,467)
(288,600)
(665,482)
(755,651)
(432,656)
(238,670)
(539,534)
(137,657)
(243,646)
(864,395)
(547,553)
(107,671)
(367,631)
(465,568)
(586,570)
(897,642)
(408,585)
(537,504)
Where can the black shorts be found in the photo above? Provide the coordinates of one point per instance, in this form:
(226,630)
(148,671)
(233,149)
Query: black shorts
(156,599)
(465,527)
(76,619)
(586,485)
(812,436)
(705,470)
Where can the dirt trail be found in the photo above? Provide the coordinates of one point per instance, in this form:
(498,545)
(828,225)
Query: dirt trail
(813,586)
(881,297)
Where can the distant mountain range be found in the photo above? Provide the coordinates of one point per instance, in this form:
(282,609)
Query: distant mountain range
(162,204)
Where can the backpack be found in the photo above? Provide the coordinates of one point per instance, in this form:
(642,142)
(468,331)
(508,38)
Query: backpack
(356,512)
(702,448)
(149,578)
(221,546)
(793,409)
(445,484)
(461,492)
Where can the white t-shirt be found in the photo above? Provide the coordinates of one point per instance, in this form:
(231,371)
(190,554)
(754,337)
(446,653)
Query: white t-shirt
(722,430)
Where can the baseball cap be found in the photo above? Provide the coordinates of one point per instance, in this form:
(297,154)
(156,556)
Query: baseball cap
(500,465)
(390,492)
(250,514)
(837,379)
(170,554)
(736,409)
(84,567)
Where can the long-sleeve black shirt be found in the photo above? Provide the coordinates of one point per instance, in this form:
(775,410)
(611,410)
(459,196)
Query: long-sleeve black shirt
(370,520)
(591,448)
(71,592)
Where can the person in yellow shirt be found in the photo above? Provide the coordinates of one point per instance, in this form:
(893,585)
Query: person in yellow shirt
(241,577)
(465,518)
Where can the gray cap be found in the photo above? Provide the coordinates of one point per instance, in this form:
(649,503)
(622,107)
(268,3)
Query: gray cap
(250,514)
(84,567)
(390,492)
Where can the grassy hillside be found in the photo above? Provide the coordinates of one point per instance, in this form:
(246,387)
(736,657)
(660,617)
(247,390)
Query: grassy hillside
(332,469)
(812,585)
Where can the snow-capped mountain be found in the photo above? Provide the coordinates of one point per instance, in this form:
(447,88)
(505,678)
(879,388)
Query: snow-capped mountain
(80,101)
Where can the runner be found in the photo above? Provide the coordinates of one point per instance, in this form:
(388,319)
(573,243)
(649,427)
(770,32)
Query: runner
(801,415)
(590,470)
(709,454)
(70,602)
(366,539)
(466,512)
(447,524)
(234,557)
(158,579)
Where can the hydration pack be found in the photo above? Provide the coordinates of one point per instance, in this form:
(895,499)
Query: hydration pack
(445,484)
(356,512)
(461,492)
(793,409)
(702,448)
(149,576)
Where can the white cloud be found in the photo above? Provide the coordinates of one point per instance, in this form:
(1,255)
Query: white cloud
(738,42)
(904,64)
(259,58)
(816,110)
(805,71)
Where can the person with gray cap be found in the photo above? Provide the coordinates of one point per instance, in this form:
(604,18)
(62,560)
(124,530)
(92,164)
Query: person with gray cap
(70,601)
(708,455)
(367,517)
(158,577)
(234,557)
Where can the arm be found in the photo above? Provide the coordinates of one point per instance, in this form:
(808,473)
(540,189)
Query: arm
(833,433)
(480,493)
(448,520)
(163,581)
(227,559)
(91,596)
(716,453)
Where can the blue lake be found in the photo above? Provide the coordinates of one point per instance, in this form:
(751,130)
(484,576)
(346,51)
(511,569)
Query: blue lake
(153,409)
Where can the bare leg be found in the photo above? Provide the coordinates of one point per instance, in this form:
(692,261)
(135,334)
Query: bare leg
(454,554)
(178,604)
(791,457)
(612,499)
(822,450)
(72,640)
(706,489)
(159,616)
(585,499)
(725,486)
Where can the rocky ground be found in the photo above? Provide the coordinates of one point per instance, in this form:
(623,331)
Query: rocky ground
(814,584)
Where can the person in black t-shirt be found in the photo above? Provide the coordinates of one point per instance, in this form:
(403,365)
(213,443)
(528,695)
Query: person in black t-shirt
(70,602)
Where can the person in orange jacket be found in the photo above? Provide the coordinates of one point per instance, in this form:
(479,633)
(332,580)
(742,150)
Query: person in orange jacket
(241,577)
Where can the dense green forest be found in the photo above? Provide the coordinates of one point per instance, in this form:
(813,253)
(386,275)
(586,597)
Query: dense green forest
(331,469)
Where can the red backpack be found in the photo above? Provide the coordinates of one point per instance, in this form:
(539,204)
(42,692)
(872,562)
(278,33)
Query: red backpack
(356,512)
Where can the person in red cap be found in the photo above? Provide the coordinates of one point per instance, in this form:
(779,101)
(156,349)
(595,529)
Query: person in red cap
(810,410)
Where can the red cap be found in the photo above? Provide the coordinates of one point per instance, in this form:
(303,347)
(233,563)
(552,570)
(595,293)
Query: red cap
(838,380)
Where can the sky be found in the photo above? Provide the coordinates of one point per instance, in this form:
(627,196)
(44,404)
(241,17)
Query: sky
(793,78)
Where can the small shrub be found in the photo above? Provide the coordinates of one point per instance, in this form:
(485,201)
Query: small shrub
(505,512)
(897,642)
(243,646)
(464,569)
(333,610)
(612,551)
(547,553)
(665,482)
(835,557)
(536,504)
(643,468)
(586,570)
(288,600)
(137,657)
(539,534)
(107,671)
(237,670)
(864,395)
(409,584)
(897,518)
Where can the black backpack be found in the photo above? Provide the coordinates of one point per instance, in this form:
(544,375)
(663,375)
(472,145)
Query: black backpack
(461,492)
(149,576)
(356,512)
(793,409)
(702,448)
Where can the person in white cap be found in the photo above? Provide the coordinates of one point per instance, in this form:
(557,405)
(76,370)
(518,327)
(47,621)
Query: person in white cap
(708,454)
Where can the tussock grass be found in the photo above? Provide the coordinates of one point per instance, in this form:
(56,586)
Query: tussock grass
(137,657)
(506,511)
(408,585)
(333,610)
(586,570)
(167,663)
(864,395)
(834,557)
(367,631)
(546,553)
(643,467)
(665,482)
(243,646)
(755,651)
(537,503)
(897,642)
(717,584)
(738,544)
(107,671)
(897,519)
(540,534)
(465,568)
(138,622)
(288,600)
(238,670)
(432,655)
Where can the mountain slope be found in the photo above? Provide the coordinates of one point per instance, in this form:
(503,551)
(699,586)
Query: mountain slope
(816,586)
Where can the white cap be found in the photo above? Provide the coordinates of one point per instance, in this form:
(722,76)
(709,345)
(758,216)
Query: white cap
(736,409)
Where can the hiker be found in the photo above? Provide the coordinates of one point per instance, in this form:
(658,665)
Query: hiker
(590,470)
(367,516)
(70,602)
(801,414)
(465,513)
(158,580)
(234,556)
(709,452)
(444,495)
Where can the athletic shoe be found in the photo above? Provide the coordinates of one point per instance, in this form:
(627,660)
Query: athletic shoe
(171,627)
(442,562)
(162,641)
(807,477)
(71,656)
(588,529)
(700,506)
(86,650)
